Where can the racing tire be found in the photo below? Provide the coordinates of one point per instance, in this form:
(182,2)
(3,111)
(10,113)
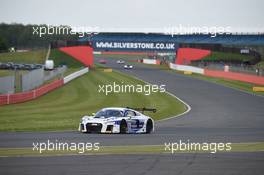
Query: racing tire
(149,126)
(123,127)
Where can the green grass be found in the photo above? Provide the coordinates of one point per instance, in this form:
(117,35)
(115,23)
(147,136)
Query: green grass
(229,57)
(244,86)
(61,58)
(260,65)
(229,83)
(37,56)
(18,75)
(131,149)
(6,73)
(63,108)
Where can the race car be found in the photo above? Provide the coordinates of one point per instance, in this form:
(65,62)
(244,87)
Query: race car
(120,62)
(118,120)
(102,61)
(127,66)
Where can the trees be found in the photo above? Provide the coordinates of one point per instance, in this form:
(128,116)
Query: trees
(21,36)
(3,45)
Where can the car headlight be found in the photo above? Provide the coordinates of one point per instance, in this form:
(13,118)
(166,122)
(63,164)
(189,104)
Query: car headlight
(82,120)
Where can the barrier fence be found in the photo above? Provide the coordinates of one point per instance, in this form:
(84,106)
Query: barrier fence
(220,74)
(7,84)
(240,68)
(37,77)
(75,75)
(30,95)
(32,79)
(151,61)
(235,76)
(55,73)
(186,68)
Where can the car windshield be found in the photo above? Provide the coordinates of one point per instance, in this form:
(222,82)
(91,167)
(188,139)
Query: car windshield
(108,113)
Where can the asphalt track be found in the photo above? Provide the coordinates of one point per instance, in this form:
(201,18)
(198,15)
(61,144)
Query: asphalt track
(181,164)
(219,114)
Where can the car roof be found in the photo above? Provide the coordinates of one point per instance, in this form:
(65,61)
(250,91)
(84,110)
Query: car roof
(118,108)
(114,108)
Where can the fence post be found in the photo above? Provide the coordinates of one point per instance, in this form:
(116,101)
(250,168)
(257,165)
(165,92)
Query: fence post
(8,98)
(34,93)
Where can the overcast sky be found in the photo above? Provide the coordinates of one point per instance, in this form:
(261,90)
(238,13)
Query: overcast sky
(137,14)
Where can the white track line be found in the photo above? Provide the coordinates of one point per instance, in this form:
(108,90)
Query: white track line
(186,104)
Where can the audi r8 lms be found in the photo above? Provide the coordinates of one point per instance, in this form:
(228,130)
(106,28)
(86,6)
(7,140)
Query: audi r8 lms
(102,61)
(128,66)
(118,120)
(120,62)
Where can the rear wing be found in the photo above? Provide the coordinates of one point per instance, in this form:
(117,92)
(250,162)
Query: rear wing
(143,109)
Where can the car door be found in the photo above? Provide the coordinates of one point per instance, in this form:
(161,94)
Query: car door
(135,123)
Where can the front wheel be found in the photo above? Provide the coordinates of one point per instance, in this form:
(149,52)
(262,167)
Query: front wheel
(149,126)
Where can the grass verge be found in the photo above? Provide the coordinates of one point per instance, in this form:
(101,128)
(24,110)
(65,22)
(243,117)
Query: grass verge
(36,56)
(62,109)
(244,86)
(131,149)
(229,83)
(229,57)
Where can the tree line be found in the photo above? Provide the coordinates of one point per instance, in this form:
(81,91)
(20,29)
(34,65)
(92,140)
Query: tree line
(22,36)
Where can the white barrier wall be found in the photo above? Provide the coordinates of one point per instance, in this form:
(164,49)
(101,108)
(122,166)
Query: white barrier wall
(149,61)
(186,68)
(97,53)
(75,75)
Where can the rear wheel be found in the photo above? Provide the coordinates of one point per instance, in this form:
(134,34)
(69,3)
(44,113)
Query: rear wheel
(149,126)
(123,127)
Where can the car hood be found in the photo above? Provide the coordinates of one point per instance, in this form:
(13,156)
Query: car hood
(98,120)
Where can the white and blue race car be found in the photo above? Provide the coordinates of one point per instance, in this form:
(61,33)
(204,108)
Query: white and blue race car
(118,120)
(128,66)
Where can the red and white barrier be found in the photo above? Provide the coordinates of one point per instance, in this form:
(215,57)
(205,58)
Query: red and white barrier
(186,68)
(30,95)
(235,76)
(151,61)
(220,74)
(75,75)
(83,54)
(97,53)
